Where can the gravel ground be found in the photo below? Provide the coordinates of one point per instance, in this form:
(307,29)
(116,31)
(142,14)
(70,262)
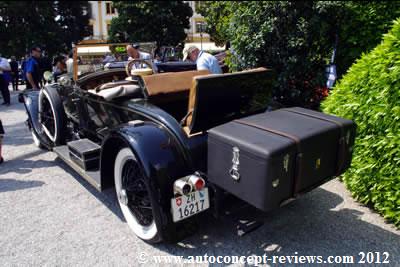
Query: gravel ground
(50,216)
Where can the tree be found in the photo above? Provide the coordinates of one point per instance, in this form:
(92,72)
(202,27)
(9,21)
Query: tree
(360,26)
(369,94)
(144,21)
(25,24)
(217,16)
(51,24)
(73,19)
(296,39)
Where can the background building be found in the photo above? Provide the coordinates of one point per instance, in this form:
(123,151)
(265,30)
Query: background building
(103,11)
(197,24)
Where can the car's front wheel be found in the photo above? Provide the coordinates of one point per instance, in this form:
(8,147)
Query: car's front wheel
(52,115)
(134,196)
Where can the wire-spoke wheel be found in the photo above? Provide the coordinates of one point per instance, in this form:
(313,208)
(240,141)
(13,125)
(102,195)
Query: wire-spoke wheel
(51,114)
(134,196)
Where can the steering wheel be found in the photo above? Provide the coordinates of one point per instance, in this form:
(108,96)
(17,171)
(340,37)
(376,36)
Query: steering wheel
(133,62)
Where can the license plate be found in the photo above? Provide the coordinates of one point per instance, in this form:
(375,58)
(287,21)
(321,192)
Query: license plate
(189,205)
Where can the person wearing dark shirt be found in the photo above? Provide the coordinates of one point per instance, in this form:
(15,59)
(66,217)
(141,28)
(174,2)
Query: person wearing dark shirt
(14,73)
(32,69)
(1,140)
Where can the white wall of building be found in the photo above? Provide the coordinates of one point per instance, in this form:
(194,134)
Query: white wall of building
(191,32)
(101,18)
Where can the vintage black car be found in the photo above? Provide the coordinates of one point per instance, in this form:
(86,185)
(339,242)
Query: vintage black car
(174,144)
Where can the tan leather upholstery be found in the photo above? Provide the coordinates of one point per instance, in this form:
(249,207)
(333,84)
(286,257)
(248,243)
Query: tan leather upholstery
(171,82)
(223,93)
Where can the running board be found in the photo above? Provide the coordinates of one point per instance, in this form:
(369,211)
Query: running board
(92,177)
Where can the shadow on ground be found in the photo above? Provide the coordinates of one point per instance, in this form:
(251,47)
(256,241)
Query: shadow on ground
(307,226)
(107,197)
(312,225)
(7,185)
(23,165)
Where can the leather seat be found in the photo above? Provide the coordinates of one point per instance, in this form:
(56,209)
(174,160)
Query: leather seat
(114,84)
(128,90)
(218,98)
(169,83)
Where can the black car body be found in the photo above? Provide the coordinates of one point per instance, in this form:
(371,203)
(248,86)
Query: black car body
(148,135)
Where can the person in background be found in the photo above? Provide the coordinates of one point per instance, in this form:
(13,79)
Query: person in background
(59,67)
(1,140)
(108,58)
(32,69)
(24,60)
(70,62)
(204,61)
(44,65)
(4,68)
(14,73)
(134,52)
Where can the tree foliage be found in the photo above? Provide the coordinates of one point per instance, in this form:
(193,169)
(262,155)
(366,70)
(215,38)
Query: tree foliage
(144,21)
(73,20)
(296,39)
(369,94)
(54,25)
(217,15)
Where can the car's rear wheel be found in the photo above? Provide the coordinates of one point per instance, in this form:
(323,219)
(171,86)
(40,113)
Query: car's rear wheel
(134,196)
(52,116)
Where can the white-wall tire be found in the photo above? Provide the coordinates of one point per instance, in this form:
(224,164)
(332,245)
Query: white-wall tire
(50,95)
(148,233)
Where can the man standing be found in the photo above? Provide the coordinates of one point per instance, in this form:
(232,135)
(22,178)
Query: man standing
(4,67)
(14,73)
(134,52)
(204,61)
(59,67)
(1,140)
(32,70)
(24,60)
(70,63)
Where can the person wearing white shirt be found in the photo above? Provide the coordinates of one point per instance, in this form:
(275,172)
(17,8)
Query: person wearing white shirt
(70,63)
(134,52)
(204,61)
(4,66)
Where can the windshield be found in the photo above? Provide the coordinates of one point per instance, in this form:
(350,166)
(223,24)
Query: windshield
(93,57)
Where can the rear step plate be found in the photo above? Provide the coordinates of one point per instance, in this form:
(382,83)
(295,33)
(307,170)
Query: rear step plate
(93,177)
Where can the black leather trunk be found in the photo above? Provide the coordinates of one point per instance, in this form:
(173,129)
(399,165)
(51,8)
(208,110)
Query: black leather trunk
(278,154)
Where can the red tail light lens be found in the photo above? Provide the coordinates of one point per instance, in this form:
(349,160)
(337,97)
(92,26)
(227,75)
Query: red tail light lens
(197,182)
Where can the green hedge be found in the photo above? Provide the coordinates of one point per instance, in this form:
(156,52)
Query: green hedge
(369,94)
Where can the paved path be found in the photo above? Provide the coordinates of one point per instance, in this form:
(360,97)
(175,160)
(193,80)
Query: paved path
(50,216)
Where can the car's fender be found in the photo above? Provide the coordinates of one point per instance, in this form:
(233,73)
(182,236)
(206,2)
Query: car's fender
(156,150)
(31,103)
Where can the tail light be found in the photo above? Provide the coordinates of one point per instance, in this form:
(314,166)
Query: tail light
(187,184)
(182,187)
(197,182)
